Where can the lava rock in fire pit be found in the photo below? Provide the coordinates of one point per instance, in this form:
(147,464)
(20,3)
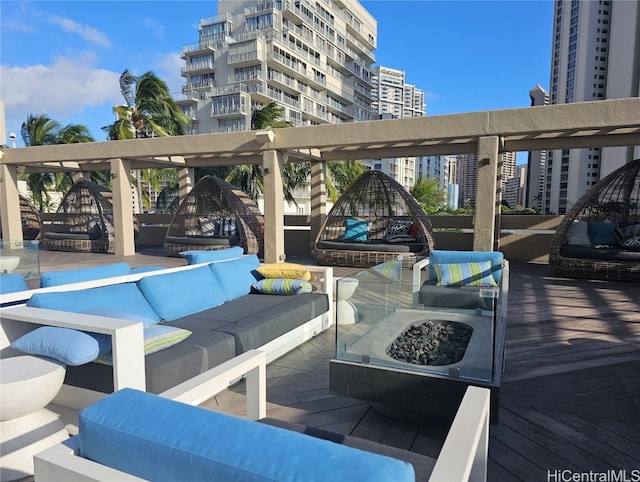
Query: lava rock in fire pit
(435,343)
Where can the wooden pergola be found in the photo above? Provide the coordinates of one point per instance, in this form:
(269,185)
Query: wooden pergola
(605,123)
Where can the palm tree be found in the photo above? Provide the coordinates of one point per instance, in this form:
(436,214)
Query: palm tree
(40,130)
(150,111)
(250,178)
(341,176)
(427,192)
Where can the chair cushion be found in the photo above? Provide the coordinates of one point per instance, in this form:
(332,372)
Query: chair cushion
(180,293)
(57,278)
(236,275)
(10,283)
(578,233)
(159,439)
(126,295)
(202,256)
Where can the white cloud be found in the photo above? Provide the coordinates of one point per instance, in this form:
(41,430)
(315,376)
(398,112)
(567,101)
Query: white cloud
(167,67)
(90,34)
(62,90)
(153,24)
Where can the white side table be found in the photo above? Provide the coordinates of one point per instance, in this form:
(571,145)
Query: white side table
(346,311)
(27,385)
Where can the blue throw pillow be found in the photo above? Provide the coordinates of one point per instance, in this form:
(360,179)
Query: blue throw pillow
(602,233)
(181,293)
(199,256)
(356,229)
(236,276)
(71,347)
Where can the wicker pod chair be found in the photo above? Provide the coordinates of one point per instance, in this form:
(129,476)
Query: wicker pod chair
(84,221)
(215,215)
(374,221)
(599,238)
(31,220)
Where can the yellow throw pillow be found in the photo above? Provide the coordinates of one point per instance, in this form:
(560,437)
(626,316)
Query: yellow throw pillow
(284,270)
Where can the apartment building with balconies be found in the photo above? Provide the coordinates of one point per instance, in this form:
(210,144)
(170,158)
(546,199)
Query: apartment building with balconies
(313,58)
(393,97)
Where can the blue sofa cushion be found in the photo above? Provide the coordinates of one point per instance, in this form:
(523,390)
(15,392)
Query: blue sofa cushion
(180,293)
(57,278)
(126,297)
(448,257)
(71,347)
(162,440)
(200,256)
(236,276)
(11,283)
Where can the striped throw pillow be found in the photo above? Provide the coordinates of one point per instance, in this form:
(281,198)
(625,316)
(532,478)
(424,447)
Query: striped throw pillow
(465,274)
(283,286)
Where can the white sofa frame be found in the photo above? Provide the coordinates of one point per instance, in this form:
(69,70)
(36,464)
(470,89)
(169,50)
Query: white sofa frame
(127,336)
(463,456)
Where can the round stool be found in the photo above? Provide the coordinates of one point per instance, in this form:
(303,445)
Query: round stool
(27,385)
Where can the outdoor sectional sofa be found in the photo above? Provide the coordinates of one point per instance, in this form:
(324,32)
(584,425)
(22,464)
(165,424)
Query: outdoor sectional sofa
(212,300)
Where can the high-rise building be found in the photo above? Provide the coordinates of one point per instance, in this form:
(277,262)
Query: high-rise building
(514,188)
(393,97)
(467,167)
(313,58)
(536,160)
(595,56)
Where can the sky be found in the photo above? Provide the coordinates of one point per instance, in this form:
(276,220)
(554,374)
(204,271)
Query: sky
(63,59)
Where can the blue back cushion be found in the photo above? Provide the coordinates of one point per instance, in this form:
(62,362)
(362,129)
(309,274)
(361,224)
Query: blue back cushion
(236,276)
(199,256)
(57,278)
(448,257)
(181,293)
(10,283)
(125,297)
(162,440)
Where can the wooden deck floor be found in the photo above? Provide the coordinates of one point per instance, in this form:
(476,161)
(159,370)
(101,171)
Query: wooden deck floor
(570,398)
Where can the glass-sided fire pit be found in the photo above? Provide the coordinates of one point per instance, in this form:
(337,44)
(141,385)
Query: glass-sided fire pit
(409,359)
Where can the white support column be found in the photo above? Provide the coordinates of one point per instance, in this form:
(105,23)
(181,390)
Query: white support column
(186,181)
(318,198)
(273,164)
(10,204)
(122,208)
(486,194)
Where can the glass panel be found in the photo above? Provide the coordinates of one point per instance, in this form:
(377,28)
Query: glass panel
(386,321)
(21,257)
